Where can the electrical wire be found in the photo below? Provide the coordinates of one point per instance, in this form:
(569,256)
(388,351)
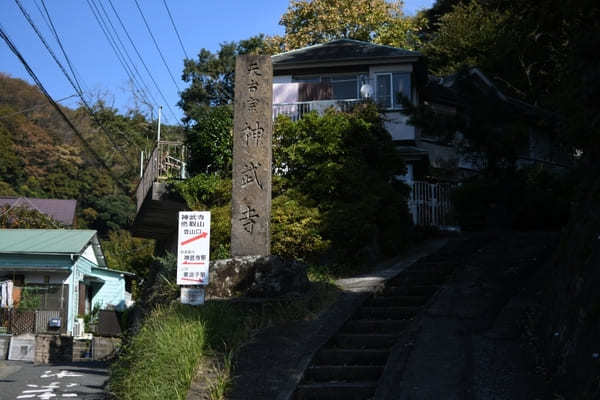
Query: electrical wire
(175,28)
(34,107)
(116,33)
(141,58)
(156,45)
(113,44)
(73,84)
(116,179)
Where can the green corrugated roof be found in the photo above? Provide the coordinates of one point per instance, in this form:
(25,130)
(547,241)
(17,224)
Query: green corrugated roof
(22,241)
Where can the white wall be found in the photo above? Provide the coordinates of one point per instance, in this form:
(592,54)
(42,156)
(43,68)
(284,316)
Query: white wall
(90,255)
(395,123)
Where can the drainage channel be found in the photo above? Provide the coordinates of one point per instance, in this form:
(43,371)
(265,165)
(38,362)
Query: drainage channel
(351,363)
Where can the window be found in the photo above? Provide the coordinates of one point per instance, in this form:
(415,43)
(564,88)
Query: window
(335,87)
(344,87)
(390,87)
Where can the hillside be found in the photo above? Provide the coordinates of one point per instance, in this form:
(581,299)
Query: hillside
(40,156)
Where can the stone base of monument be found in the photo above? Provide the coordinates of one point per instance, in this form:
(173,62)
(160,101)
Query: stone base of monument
(256,276)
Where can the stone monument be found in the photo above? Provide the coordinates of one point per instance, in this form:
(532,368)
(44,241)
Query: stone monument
(253,126)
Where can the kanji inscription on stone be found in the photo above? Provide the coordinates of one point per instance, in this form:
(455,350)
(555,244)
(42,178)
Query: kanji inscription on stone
(253,126)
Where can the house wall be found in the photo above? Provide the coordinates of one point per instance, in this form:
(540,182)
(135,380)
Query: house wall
(90,255)
(396,121)
(112,292)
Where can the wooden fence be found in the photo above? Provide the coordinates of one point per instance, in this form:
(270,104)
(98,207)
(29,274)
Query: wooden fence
(19,322)
(430,203)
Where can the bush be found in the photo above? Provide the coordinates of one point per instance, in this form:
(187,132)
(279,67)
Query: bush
(532,198)
(296,227)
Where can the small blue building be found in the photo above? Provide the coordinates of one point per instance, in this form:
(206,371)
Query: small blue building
(64,269)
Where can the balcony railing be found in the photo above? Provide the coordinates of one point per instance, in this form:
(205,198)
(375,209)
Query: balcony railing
(297,110)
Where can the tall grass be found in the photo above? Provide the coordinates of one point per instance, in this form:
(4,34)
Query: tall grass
(162,359)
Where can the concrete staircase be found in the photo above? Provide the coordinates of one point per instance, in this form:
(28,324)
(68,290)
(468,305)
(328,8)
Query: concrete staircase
(350,365)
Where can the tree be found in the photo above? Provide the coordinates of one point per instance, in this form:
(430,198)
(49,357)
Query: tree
(25,218)
(210,141)
(212,76)
(309,22)
(469,35)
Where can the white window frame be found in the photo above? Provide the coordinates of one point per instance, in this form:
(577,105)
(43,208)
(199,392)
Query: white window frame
(393,101)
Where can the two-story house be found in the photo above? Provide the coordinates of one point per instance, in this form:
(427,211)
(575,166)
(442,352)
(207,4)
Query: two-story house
(343,72)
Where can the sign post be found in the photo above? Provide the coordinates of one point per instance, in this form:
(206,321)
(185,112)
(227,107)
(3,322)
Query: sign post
(193,255)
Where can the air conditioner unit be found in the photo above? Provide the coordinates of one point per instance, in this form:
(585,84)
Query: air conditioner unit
(78,327)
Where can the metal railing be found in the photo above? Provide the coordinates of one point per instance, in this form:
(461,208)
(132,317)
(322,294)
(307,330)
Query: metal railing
(297,110)
(166,161)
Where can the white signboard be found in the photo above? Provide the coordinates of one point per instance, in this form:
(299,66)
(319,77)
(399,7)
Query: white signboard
(192,296)
(193,247)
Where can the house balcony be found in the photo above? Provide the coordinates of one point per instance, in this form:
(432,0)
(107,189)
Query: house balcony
(297,110)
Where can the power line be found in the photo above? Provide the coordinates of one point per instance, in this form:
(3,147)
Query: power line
(17,53)
(113,44)
(141,59)
(53,29)
(76,87)
(175,28)
(34,107)
(147,90)
(156,45)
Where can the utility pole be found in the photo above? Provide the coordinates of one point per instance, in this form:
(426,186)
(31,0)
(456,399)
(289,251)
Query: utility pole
(159,112)
(158,143)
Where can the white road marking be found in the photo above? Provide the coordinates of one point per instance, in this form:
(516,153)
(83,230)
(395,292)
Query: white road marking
(32,385)
(38,390)
(72,384)
(46,396)
(26,396)
(69,395)
(60,375)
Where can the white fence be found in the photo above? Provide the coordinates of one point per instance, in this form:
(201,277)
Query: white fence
(430,204)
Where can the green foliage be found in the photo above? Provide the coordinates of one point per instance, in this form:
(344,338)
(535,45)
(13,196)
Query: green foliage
(336,193)
(212,76)
(346,163)
(25,218)
(296,227)
(114,212)
(309,22)
(11,166)
(126,253)
(531,198)
(175,340)
(456,44)
(210,140)
(30,300)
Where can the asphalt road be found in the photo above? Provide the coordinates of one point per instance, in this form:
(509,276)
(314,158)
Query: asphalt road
(23,380)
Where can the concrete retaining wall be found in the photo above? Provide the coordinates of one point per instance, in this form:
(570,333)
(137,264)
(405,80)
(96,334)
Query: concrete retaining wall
(55,348)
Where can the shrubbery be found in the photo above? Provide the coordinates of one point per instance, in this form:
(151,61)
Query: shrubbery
(335,197)
(526,199)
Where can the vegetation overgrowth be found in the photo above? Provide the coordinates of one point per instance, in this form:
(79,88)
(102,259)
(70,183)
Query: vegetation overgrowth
(176,341)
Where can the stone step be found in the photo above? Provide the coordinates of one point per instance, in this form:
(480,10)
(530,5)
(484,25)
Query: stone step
(390,301)
(414,290)
(386,312)
(336,391)
(342,373)
(423,277)
(375,326)
(328,356)
(363,341)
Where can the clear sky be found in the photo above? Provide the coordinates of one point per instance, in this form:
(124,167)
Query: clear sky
(201,24)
